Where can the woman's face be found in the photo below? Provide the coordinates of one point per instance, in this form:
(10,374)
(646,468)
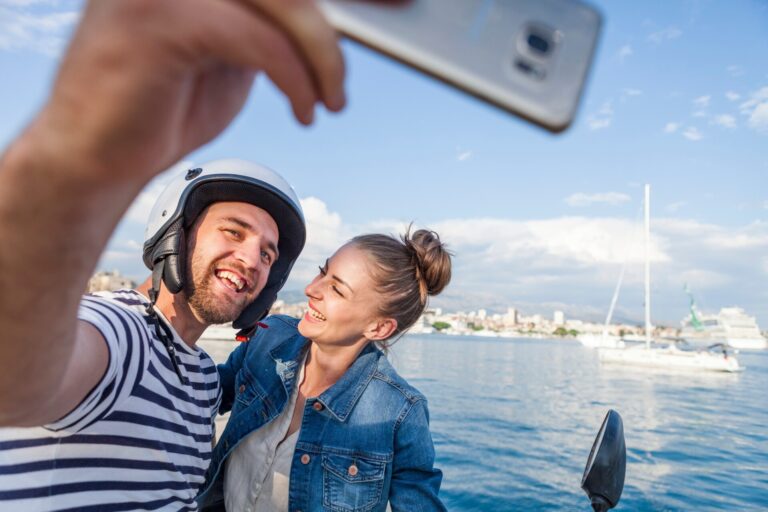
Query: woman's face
(343,302)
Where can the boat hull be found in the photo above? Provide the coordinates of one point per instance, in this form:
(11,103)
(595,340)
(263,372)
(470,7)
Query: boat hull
(599,340)
(672,357)
(748,343)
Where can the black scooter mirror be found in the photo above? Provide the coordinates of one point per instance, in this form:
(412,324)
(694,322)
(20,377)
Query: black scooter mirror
(603,478)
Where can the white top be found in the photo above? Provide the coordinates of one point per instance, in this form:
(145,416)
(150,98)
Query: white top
(257,474)
(140,440)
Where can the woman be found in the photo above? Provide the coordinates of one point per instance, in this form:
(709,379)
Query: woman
(320,420)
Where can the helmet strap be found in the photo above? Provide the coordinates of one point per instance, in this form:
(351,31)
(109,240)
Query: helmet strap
(163,331)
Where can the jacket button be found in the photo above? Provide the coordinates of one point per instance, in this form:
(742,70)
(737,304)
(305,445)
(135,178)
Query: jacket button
(352,470)
(305,459)
(241,388)
(317,406)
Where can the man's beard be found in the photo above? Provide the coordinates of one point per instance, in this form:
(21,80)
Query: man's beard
(198,289)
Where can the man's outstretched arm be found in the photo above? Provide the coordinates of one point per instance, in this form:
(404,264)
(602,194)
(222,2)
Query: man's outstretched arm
(143,83)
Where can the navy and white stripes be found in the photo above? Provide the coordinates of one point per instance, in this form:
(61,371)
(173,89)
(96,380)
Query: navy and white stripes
(139,440)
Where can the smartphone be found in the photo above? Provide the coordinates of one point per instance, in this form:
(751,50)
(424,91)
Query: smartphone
(528,57)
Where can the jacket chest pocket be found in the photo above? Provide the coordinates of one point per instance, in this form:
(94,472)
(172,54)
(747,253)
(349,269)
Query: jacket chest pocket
(352,483)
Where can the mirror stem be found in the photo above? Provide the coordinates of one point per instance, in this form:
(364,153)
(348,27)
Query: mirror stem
(600,504)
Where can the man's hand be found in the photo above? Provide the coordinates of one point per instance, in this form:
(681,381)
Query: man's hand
(144,82)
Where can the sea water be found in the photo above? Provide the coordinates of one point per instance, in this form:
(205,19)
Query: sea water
(513,421)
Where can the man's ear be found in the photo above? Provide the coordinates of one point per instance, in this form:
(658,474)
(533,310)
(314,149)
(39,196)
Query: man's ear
(381,329)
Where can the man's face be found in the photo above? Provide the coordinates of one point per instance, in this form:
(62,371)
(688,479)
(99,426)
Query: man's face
(231,249)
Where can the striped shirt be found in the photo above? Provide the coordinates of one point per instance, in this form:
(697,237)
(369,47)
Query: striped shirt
(140,440)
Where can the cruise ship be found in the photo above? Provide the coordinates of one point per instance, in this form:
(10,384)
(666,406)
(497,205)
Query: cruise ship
(731,325)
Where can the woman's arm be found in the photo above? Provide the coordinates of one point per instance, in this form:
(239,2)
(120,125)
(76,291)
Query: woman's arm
(415,479)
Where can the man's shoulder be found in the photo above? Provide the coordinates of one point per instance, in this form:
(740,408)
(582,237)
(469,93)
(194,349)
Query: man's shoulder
(130,300)
(115,312)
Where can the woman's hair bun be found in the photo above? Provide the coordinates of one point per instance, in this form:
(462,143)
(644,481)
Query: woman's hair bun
(433,260)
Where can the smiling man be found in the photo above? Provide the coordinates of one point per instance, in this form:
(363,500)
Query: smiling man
(220,241)
(105,401)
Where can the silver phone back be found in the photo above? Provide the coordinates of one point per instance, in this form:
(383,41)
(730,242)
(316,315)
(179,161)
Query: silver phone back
(482,47)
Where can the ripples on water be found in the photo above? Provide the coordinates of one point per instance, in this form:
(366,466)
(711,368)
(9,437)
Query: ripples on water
(513,422)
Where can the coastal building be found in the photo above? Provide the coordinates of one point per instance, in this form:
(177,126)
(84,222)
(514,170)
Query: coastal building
(104,281)
(559,318)
(510,319)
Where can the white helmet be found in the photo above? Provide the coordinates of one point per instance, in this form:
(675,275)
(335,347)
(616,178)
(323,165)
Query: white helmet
(189,193)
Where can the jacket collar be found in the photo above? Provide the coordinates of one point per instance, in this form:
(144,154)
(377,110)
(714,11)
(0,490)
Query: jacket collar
(340,398)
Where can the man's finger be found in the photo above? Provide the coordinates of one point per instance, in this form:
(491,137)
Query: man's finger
(240,36)
(317,41)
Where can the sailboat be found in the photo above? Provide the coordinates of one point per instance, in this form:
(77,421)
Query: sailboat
(605,339)
(666,355)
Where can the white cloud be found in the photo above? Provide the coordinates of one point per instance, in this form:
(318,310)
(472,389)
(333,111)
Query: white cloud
(765,204)
(666,34)
(692,133)
(628,93)
(725,120)
(598,124)
(611,198)
(24,28)
(735,70)
(756,110)
(759,118)
(114,258)
(671,127)
(464,155)
(756,98)
(602,118)
(732,96)
(325,234)
(674,207)
(714,237)
(624,52)
(555,242)
(699,113)
(702,101)
(705,278)
(574,260)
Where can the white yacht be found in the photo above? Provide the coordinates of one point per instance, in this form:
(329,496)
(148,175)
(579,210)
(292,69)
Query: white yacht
(603,339)
(731,326)
(666,355)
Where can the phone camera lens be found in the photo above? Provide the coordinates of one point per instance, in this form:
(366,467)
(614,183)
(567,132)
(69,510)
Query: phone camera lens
(539,43)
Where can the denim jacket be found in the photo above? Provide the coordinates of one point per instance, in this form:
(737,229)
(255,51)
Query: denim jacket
(363,442)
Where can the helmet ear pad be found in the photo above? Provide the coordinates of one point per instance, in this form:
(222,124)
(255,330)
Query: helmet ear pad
(171,250)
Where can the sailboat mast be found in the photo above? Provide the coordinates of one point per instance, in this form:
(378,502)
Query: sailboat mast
(647,208)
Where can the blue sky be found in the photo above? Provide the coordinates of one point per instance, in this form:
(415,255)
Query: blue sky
(678,98)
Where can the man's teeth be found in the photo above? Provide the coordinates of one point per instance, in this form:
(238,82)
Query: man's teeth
(232,278)
(315,314)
